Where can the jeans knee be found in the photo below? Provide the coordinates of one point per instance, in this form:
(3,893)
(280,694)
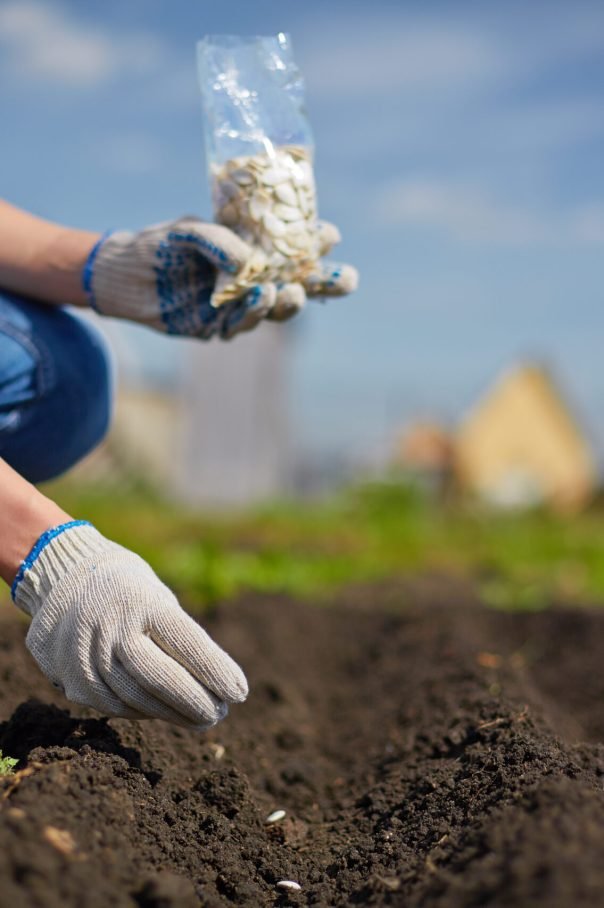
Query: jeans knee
(67,409)
(91,371)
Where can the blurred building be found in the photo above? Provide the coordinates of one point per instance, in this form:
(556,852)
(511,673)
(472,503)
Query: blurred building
(218,437)
(425,452)
(519,446)
(522,445)
(235,438)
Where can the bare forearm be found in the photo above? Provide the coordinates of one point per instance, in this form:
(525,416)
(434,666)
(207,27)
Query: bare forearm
(24,515)
(41,259)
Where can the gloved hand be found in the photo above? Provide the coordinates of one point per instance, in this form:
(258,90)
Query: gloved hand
(164,277)
(107,632)
(330,279)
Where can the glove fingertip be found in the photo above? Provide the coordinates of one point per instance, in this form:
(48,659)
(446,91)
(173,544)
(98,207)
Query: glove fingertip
(333,280)
(348,280)
(240,688)
(229,683)
(329,236)
(291,299)
(261,297)
(245,313)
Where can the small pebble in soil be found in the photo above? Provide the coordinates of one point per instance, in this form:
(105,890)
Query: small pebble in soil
(289,884)
(274,817)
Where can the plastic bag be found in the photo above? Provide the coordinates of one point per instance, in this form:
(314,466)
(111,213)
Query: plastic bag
(260,153)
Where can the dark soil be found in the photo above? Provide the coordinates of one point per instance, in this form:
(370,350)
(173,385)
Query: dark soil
(433,755)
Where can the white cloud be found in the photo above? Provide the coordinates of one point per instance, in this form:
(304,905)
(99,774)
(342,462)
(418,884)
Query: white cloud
(549,124)
(366,60)
(376,56)
(469,214)
(40,41)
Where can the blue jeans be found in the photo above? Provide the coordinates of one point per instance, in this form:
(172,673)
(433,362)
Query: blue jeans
(55,388)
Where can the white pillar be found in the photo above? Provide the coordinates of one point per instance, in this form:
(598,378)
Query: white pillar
(235,419)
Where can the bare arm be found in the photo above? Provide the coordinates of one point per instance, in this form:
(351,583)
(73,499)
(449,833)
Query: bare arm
(41,259)
(24,515)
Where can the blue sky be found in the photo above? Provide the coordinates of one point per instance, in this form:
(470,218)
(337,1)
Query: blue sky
(459,148)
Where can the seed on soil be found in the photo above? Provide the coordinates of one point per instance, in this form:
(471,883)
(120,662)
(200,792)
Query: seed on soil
(414,662)
(275,816)
(392,883)
(289,884)
(489,660)
(218,750)
(61,839)
(16,813)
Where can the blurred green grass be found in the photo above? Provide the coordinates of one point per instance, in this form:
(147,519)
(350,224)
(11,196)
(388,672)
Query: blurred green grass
(362,534)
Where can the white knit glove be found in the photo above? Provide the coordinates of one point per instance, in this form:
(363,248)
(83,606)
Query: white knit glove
(107,632)
(164,277)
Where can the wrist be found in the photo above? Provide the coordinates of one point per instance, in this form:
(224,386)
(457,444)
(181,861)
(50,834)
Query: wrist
(24,520)
(41,259)
(55,553)
(88,271)
(65,258)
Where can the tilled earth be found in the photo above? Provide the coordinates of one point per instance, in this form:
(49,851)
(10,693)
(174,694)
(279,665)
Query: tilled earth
(427,753)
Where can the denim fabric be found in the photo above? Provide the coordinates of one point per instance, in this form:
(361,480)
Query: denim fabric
(55,388)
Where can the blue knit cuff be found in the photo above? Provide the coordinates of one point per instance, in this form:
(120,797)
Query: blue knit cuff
(88,270)
(40,545)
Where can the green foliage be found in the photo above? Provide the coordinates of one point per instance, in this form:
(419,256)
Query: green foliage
(366,533)
(7,765)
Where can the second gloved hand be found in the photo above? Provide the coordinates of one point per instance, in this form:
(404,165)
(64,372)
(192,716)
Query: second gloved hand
(108,633)
(164,277)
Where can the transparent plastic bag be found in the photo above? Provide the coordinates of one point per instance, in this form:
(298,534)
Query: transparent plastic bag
(260,153)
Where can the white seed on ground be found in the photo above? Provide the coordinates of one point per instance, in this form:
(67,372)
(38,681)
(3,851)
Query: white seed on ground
(275,816)
(289,884)
(218,750)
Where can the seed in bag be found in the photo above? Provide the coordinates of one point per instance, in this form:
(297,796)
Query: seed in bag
(260,154)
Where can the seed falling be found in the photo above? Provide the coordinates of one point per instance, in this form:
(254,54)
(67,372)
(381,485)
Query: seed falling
(274,817)
(218,750)
(289,884)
